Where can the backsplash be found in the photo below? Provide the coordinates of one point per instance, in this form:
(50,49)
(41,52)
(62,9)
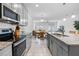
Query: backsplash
(6,25)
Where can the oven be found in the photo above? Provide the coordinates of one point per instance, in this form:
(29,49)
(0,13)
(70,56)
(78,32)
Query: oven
(18,47)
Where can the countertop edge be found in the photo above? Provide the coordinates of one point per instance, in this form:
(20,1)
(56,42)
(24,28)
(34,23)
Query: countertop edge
(63,41)
(9,43)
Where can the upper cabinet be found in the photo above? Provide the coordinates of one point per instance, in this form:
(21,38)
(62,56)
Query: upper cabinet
(23,14)
(20,8)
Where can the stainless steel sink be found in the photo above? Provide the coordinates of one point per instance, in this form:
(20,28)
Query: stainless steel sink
(65,35)
(61,35)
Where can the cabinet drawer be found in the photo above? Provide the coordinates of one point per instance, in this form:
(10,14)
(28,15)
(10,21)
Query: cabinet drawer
(62,45)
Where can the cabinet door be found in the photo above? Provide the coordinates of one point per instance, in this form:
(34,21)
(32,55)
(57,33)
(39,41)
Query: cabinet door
(48,40)
(54,49)
(59,50)
(51,45)
(65,53)
(62,50)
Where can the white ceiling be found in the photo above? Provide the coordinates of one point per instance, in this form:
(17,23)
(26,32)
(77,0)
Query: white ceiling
(52,11)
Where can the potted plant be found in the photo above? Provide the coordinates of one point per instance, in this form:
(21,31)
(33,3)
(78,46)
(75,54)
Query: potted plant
(76,25)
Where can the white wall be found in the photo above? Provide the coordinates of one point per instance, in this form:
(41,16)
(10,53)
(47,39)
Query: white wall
(29,27)
(68,24)
(6,26)
(47,26)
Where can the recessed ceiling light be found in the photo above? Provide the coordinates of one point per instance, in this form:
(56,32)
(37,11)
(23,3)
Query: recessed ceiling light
(42,20)
(7,3)
(15,5)
(36,5)
(64,3)
(64,19)
(73,16)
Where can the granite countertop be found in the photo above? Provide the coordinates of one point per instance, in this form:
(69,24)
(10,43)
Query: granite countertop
(4,44)
(70,40)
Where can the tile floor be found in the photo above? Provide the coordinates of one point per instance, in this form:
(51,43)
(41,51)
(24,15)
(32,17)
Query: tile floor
(38,48)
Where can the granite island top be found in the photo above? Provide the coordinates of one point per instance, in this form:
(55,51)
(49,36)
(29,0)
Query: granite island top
(70,40)
(4,44)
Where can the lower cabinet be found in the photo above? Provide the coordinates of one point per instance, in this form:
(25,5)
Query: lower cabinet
(51,47)
(59,50)
(6,51)
(54,53)
(56,47)
(65,53)
(48,41)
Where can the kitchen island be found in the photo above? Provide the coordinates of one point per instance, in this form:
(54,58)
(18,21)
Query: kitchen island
(5,48)
(59,45)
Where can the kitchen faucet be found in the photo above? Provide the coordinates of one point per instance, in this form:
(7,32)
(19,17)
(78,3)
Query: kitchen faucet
(61,29)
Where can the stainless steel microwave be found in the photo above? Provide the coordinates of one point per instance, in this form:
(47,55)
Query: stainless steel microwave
(8,14)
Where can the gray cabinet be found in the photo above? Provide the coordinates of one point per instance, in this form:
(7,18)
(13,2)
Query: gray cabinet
(56,47)
(65,53)
(51,46)
(48,41)
(7,51)
(60,48)
(54,53)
